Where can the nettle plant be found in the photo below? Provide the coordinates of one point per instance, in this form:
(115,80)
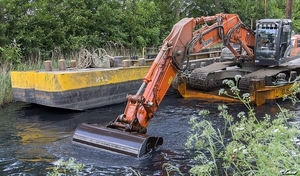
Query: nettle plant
(253,146)
(69,167)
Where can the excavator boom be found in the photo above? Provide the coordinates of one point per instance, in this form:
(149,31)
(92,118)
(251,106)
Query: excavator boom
(126,134)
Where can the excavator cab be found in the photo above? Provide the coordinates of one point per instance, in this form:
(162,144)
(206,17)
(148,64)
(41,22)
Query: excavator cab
(273,41)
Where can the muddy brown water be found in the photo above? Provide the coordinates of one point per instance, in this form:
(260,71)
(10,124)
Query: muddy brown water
(33,137)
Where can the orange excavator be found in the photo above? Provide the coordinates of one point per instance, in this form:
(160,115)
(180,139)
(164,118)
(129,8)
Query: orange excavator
(127,133)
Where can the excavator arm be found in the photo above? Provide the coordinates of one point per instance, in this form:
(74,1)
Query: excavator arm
(182,41)
(142,106)
(128,130)
(228,28)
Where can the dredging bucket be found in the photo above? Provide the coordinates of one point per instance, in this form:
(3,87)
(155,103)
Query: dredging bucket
(114,140)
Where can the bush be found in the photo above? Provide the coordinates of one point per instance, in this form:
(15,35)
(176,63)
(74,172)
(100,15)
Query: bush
(252,147)
(10,54)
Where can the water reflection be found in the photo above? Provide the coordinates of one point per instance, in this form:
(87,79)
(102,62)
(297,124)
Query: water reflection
(32,137)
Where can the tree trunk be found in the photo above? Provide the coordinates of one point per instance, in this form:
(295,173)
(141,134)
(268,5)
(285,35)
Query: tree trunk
(2,21)
(218,6)
(288,9)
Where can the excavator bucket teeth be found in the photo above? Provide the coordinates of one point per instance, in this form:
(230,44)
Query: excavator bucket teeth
(113,140)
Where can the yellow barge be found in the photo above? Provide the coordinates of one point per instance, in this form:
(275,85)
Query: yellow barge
(93,80)
(84,88)
(77,89)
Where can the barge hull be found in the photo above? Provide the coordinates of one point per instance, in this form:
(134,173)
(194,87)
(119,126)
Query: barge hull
(79,89)
(79,99)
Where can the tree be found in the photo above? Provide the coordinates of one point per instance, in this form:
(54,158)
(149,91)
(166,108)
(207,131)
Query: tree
(141,23)
(3,25)
(296,16)
(39,28)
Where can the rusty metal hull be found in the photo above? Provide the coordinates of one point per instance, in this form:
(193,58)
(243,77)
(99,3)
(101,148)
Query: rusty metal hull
(113,140)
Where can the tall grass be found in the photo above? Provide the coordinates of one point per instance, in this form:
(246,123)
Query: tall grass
(5,91)
(6,95)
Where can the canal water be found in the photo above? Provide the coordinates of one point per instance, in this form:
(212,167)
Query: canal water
(33,137)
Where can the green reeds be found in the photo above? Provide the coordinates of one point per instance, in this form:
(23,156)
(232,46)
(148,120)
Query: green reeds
(6,95)
(5,90)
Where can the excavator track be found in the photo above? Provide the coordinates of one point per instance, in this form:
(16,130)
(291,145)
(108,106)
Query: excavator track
(267,74)
(205,78)
(210,78)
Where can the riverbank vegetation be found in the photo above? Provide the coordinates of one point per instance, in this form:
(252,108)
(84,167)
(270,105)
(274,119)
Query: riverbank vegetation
(68,167)
(11,59)
(246,144)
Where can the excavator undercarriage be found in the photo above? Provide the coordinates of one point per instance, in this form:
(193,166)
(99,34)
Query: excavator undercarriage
(263,83)
(211,77)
